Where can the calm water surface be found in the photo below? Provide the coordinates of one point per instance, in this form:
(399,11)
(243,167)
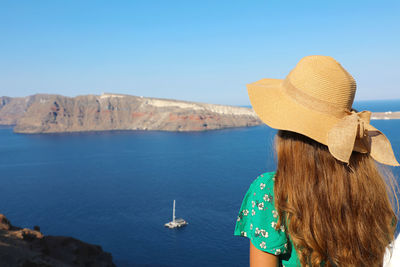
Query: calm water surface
(116,189)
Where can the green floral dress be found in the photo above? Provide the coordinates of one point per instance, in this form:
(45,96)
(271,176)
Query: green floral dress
(258,218)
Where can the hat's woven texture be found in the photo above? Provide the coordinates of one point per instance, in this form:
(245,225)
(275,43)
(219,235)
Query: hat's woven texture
(325,79)
(315,100)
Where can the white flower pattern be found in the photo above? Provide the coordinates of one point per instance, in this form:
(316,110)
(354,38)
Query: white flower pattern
(264,233)
(262,186)
(274,213)
(267,198)
(259,203)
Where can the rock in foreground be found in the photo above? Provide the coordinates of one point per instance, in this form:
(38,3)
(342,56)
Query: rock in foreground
(29,248)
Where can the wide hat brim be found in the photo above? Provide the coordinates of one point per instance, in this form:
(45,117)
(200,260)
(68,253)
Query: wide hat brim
(280,111)
(315,100)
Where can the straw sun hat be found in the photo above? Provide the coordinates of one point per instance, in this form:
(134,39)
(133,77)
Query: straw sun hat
(315,100)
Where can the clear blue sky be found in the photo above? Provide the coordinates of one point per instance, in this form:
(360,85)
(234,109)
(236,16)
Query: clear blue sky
(191,50)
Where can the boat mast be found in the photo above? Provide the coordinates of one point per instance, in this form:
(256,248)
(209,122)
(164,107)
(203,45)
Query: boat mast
(173,212)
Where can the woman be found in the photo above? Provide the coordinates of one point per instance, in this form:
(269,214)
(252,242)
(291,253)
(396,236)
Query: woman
(328,203)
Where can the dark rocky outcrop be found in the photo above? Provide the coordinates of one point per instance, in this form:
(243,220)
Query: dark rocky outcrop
(30,248)
(44,113)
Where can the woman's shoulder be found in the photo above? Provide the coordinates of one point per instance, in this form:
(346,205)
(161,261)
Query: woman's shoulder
(257,218)
(263,181)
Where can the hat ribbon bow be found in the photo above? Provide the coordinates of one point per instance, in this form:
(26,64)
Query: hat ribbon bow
(354,132)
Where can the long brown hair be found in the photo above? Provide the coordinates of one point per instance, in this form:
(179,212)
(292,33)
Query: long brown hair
(334,213)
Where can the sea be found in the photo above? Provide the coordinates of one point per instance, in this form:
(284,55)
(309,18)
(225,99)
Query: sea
(116,189)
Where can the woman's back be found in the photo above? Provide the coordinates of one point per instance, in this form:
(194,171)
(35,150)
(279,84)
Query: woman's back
(331,204)
(335,213)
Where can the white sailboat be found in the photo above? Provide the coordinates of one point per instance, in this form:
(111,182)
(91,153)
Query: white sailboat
(175,222)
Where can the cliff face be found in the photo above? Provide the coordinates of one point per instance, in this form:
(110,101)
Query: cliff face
(43,113)
(26,247)
(56,113)
(11,109)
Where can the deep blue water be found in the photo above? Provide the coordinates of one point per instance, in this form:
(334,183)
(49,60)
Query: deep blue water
(116,189)
(378,105)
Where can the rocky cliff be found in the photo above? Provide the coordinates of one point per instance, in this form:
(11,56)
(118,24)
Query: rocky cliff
(11,109)
(44,113)
(26,247)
